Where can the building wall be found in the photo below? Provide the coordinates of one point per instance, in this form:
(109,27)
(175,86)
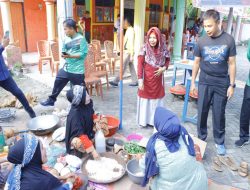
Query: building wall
(35,18)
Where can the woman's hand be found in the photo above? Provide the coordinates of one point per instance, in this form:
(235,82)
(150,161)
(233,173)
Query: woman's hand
(65,56)
(70,176)
(5,42)
(160,71)
(140,84)
(95,155)
(70,56)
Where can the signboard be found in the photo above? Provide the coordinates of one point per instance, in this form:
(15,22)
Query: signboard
(240,7)
(209,3)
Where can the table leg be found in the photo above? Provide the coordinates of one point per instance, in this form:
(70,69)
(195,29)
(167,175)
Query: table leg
(185,107)
(185,76)
(174,77)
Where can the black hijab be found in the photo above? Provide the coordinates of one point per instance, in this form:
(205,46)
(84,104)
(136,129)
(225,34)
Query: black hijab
(33,177)
(80,117)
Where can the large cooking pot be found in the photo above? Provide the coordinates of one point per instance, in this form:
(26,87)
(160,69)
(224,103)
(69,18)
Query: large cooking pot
(44,124)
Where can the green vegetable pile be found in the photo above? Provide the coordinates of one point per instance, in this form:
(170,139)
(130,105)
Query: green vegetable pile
(134,148)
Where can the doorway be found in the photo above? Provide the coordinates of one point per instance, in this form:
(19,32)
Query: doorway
(18,25)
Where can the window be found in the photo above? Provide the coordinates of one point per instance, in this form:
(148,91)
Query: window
(80,2)
(105,3)
(104,10)
(80,8)
(154,17)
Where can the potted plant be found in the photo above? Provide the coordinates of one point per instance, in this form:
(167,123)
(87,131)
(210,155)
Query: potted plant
(17,69)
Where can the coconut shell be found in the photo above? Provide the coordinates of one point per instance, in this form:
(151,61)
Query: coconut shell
(8,133)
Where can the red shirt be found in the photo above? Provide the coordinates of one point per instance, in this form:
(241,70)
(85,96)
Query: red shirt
(87,22)
(153,86)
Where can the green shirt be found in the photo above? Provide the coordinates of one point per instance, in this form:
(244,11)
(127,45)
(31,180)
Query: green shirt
(77,45)
(248,57)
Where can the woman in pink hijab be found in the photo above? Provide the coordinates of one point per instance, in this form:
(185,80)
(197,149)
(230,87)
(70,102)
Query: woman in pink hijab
(153,61)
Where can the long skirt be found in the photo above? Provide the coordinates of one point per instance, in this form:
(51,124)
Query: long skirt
(146,110)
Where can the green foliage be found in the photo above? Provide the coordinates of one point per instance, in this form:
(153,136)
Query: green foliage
(190,10)
(18,66)
(134,148)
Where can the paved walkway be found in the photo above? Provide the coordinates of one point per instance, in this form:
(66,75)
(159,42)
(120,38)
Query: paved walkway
(110,105)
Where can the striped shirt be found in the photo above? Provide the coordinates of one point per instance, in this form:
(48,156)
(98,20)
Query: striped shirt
(4,72)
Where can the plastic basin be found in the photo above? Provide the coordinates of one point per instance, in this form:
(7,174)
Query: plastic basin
(113,124)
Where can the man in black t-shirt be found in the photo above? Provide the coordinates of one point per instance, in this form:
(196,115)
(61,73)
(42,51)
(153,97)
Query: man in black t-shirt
(215,57)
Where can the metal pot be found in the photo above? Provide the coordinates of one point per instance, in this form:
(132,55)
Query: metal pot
(44,124)
(134,170)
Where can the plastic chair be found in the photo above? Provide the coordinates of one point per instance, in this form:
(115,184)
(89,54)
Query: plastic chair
(94,70)
(90,80)
(110,56)
(55,57)
(43,48)
(100,61)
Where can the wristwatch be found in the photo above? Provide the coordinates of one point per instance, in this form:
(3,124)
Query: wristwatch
(233,85)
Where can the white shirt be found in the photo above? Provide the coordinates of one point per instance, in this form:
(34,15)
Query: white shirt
(129,40)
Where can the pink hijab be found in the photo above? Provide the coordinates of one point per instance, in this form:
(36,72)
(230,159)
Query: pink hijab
(156,57)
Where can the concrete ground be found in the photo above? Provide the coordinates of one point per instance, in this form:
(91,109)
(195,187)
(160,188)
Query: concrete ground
(41,86)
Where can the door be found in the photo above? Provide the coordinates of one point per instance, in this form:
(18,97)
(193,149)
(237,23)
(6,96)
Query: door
(18,24)
(1,25)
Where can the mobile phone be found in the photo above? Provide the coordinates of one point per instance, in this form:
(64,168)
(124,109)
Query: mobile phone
(65,53)
(7,34)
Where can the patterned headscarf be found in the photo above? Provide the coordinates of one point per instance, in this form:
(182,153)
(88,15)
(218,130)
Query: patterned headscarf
(30,145)
(156,57)
(77,91)
(78,96)
(28,172)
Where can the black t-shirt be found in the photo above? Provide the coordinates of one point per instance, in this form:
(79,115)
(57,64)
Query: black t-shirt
(214,53)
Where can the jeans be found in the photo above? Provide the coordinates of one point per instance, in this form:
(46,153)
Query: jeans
(61,81)
(10,85)
(87,36)
(217,95)
(245,115)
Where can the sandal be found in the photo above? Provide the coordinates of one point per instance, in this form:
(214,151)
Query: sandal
(243,170)
(217,165)
(229,162)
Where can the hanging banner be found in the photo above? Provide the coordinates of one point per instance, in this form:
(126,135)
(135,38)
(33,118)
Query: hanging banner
(209,3)
(241,7)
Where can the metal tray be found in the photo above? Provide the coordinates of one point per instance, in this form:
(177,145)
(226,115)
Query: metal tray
(7,114)
(107,155)
(44,124)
